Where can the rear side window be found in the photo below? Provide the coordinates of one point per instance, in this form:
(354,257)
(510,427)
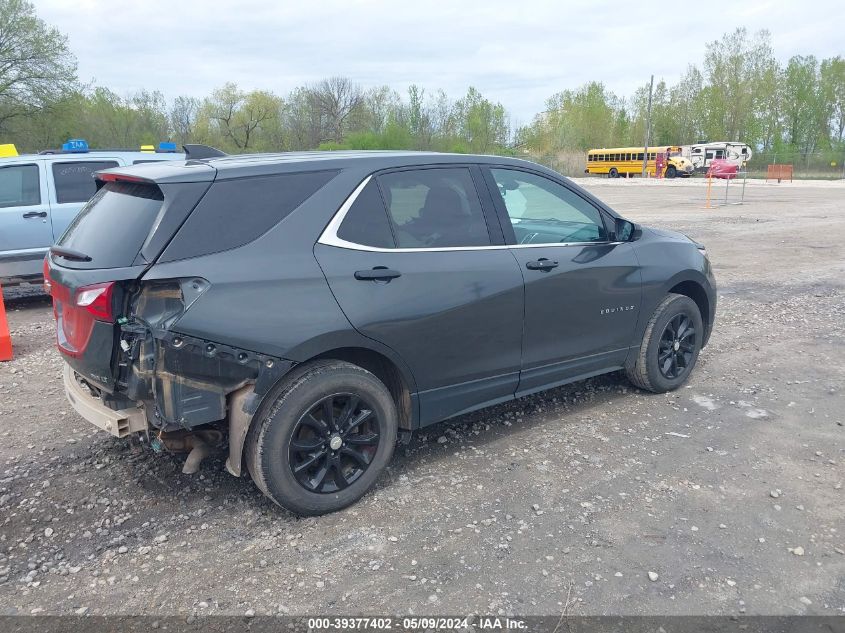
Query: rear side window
(238,211)
(19,186)
(112,227)
(75,181)
(366,222)
(434,208)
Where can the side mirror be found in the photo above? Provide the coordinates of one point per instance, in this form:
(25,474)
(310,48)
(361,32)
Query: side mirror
(625,231)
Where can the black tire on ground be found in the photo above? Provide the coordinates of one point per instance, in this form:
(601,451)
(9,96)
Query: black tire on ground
(671,172)
(613,173)
(293,416)
(670,346)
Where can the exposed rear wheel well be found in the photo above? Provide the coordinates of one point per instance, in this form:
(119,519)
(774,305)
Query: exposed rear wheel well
(385,370)
(695,292)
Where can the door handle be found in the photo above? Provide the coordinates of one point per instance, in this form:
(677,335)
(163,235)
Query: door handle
(35,214)
(379,273)
(541,264)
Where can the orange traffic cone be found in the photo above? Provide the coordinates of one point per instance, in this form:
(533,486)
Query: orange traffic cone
(5,335)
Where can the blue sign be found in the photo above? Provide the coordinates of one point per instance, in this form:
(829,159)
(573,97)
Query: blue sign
(75,145)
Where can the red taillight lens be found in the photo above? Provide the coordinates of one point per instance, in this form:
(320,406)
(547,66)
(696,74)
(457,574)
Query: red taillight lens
(97,300)
(78,312)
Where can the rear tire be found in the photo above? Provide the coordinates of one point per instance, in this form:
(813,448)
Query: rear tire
(670,346)
(323,438)
(671,172)
(613,173)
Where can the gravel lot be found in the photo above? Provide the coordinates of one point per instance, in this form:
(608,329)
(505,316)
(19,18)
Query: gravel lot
(724,497)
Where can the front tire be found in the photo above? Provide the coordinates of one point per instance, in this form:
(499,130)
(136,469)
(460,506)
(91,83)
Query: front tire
(323,438)
(670,346)
(613,173)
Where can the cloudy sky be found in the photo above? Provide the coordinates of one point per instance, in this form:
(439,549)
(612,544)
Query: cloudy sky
(518,52)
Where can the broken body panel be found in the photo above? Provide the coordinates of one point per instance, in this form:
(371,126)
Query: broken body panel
(154,353)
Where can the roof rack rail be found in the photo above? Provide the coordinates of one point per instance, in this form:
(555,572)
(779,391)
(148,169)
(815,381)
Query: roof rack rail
(194,151)
(144,149)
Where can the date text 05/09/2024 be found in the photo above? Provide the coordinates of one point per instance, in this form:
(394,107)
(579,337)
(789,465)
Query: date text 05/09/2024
(411,623)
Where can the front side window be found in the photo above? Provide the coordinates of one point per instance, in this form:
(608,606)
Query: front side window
(545,212)
(19,186)
(434,208)
(75,180)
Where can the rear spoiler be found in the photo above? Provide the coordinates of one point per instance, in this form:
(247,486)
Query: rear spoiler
(159,172)
(101,179)
(200,152)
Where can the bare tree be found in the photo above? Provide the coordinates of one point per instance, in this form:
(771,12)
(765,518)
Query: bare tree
(381,102)
(183,118)
(302,119)
(337,99)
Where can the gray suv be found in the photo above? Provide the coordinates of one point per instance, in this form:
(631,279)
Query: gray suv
(309,310)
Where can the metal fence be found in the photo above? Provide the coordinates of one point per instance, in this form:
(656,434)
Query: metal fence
(826,165)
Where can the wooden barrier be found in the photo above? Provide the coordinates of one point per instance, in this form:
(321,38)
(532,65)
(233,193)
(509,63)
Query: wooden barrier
(779,172)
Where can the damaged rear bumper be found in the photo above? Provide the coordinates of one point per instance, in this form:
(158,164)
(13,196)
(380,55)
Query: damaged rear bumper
(120,423)
(124,422)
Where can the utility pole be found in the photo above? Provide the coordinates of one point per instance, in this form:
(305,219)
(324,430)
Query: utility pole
(647,129)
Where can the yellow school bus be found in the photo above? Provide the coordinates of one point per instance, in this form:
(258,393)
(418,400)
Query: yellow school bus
(626,161)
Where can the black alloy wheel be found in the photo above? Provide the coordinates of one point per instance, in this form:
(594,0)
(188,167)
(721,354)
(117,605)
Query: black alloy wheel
(322,437)
(670,346)
(334,443)
(676,347)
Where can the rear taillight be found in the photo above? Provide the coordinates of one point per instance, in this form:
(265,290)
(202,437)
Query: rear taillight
(97,300)
(78,312)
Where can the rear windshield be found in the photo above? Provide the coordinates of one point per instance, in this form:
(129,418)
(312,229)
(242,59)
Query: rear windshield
(112,227)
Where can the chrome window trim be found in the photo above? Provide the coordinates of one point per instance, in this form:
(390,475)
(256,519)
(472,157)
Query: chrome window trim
(329,235)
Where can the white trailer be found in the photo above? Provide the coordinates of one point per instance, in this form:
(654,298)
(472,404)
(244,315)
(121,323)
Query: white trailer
(702,154)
